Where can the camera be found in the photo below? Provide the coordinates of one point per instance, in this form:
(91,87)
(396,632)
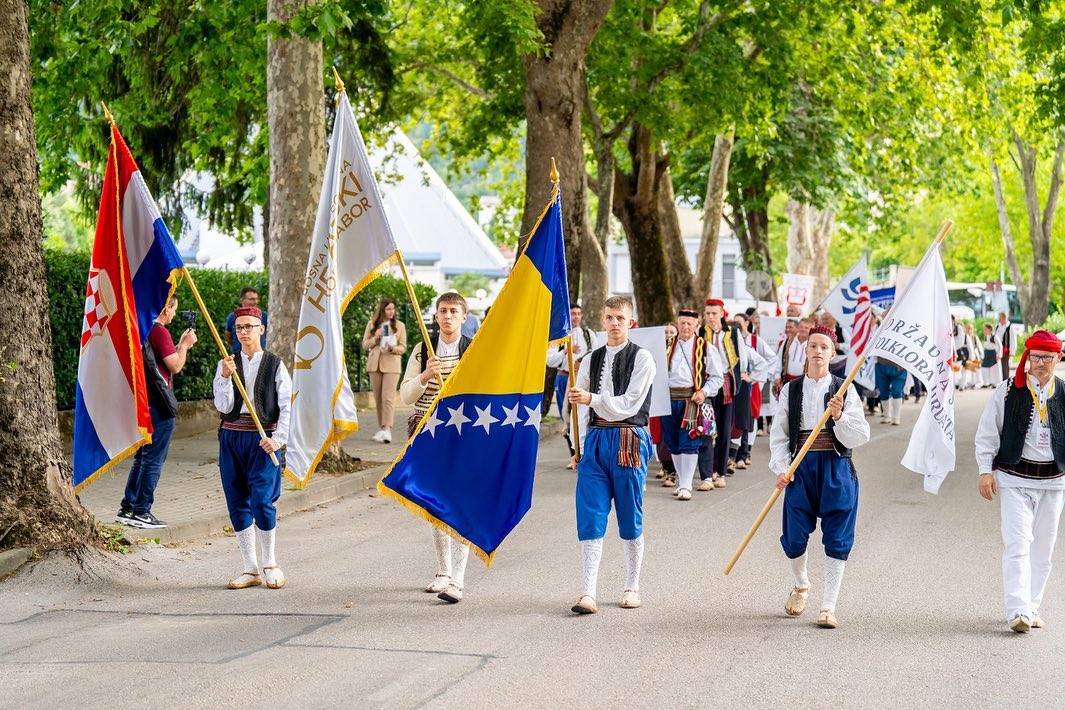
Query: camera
(188,317)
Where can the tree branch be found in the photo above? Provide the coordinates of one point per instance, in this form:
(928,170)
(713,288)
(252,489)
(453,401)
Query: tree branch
(1007,233)
(453,78)
(1055,190)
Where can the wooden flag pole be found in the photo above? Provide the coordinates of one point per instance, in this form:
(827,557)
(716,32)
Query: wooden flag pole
(573,413)
(944,230)
(418,312)
(225,352)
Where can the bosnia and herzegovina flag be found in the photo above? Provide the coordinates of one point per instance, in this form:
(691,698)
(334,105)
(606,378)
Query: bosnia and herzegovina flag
(469,467)
(134,270)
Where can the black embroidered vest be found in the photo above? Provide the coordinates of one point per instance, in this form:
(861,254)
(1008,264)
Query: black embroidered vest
(795,396)
(263,391)
(1018,416)
(624,360)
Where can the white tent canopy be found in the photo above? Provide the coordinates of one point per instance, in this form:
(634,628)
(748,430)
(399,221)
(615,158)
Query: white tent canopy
(438,237)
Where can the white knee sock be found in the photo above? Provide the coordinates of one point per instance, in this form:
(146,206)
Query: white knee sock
(686,465)
(266,546)
(896,411)
(591,555)
(442,543)
(246,542)
(833,580)
(458,566)
(798,571)
(633,562)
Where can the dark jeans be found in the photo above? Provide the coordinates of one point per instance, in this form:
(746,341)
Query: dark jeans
(147,466)
(714,455)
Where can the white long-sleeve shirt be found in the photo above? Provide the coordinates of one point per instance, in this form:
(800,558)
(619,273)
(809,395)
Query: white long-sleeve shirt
(224,391)
(680,368)
(852,430)
(757,366)
(771,357)
(989,438)
(608,404)
(556,357)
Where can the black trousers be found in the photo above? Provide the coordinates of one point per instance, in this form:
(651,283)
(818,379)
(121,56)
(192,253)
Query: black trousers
(1005,367)
(713,458)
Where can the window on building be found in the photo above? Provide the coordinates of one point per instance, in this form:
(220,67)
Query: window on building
(728,276)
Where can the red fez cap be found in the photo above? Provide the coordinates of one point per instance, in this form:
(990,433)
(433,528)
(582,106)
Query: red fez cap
(827,332)
(715,302)
(1039,340)
(248,311)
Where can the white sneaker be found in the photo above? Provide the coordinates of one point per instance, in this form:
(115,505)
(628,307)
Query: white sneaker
(377,437)
(386,436)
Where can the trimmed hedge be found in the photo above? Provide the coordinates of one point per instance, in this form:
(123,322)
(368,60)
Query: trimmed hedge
(67,271)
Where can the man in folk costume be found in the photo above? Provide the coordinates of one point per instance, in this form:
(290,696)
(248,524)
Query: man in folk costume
(1004,334)
(584,341)
(749,398)
(714,460)
(421,383)
(1020,450)
(791,355)
(614,382)
(694,378)
(250,480)
(825,484)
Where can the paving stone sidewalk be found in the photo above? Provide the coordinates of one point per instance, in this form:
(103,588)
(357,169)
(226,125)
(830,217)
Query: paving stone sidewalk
(190,499)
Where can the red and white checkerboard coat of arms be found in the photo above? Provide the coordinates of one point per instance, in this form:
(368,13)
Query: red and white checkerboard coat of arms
(100,305)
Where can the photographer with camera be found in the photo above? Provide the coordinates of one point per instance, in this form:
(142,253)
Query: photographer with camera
(162,360)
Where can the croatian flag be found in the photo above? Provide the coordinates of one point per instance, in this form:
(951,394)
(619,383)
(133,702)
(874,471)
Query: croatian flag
(849,304)
(134,269)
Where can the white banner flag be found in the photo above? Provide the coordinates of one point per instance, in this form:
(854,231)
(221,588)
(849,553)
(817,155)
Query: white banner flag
(796,290)
(352,242)
(916,335)
(849,304)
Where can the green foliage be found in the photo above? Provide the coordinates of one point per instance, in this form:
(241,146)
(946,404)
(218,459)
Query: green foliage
(187,84)
(467,284)
(220,290)
(114,538)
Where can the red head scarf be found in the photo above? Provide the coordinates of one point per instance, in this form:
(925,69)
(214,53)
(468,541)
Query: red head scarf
(1042,340)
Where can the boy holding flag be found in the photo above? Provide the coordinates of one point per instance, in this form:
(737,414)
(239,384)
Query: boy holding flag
(825,484)
(250,480)
(421,383)
(614,382)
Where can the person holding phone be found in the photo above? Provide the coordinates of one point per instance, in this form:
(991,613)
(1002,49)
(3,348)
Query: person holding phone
(385,341)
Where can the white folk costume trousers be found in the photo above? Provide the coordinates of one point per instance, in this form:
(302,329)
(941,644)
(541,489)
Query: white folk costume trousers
(1029,530)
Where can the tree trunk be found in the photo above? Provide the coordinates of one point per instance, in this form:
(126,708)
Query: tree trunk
(680,270)
(756,214)
(822,227)
(713,210)
(296,114)
(1007,237)
(800,258)
(38,507)
(1040,225)
(595,282)
(636,206)
(554,97)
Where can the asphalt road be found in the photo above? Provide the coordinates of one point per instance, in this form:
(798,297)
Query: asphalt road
(920,611)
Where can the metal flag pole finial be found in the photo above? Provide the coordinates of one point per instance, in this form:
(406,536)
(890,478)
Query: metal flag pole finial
(554,171)
(339,82)
(107,114)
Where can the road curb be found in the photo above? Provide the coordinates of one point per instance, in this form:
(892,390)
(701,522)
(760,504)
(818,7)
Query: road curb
(11,560)
(326,489)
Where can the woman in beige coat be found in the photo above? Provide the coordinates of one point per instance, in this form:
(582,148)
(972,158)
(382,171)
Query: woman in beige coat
(385,341)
